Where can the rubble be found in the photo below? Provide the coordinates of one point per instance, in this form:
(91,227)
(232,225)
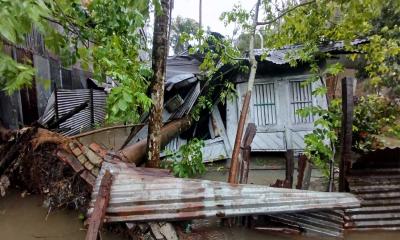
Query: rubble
(67,172)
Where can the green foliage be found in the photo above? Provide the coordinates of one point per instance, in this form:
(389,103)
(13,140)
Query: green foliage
(17,19)
(102,35)
(14,76)
(181,26)
(216,51)
(324,21)
(320,142)
(243,41)
(373,115)
(188,161)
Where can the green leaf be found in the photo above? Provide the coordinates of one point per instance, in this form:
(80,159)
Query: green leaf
(122,105)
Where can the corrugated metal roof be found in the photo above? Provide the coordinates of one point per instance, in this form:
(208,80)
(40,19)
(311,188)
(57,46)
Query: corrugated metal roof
(189,102)
(177,65)
(379,192)
(67,100)
(279,56)
(139,194)
(180,80)
(328,222)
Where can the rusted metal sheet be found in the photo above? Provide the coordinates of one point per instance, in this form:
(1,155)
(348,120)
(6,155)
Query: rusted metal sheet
(140,194)
(379,192)
(329,223)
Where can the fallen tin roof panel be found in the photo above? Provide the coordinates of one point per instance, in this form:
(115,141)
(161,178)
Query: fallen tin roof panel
(139,194)
(379,192)
(325,222)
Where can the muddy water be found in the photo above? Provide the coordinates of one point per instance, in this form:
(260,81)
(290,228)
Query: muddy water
(25,219)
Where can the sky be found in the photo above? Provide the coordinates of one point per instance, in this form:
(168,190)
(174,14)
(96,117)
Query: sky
(212,10)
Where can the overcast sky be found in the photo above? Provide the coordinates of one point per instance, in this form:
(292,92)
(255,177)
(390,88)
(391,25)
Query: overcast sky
(212,9)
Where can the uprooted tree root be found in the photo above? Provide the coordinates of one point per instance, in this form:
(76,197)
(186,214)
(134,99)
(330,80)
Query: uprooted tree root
(29,162)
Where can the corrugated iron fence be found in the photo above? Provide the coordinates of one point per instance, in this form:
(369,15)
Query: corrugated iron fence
(375,180)
(63,101)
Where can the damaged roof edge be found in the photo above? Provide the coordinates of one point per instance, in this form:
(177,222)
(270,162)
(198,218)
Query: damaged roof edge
(279,56)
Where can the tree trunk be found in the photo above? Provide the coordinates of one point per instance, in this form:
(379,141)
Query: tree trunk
(135,153)
(233,172)
(160,51)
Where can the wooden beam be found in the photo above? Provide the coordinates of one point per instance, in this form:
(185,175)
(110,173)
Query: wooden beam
(346,134)
(304,169)
(251,131)
(99,211)
(289,166)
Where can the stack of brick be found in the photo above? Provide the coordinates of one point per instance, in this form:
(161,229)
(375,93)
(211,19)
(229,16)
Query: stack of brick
(84,160)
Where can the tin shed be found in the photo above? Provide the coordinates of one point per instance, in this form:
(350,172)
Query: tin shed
(279,92)
(273,107)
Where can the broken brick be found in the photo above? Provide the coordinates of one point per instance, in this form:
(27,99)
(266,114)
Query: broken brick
(88,165)
(82,159)
(95,171)
(77,151)
(98,149)
(74,146)
(93,157)
(155,229)
(70,159)
(88,177)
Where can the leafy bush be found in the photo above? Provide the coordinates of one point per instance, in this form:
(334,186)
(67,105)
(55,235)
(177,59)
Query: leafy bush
(188,161)
(373,115)
(321,141)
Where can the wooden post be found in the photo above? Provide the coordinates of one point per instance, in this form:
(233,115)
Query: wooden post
(100,206)
(346,134)
(289,166)
(246,151)
(304,169)
(245,166)
(56,104)
(91,108)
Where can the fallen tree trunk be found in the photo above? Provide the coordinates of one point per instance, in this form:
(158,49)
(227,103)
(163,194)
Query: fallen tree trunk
(135,153)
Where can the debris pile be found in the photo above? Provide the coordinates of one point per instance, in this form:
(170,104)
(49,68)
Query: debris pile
(70,174)
(153,230)
(30,161)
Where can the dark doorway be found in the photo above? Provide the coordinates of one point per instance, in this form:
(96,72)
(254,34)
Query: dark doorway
(28,95)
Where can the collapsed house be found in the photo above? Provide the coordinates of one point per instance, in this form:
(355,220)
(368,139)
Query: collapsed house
(278,93)
(280,90)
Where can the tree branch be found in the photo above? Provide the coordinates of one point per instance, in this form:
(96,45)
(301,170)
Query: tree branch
(285,12)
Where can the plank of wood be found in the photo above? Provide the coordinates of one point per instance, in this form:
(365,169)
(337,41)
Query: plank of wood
(346,134)
(102,200)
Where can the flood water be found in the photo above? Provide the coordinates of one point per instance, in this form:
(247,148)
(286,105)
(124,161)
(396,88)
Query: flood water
(25,219)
